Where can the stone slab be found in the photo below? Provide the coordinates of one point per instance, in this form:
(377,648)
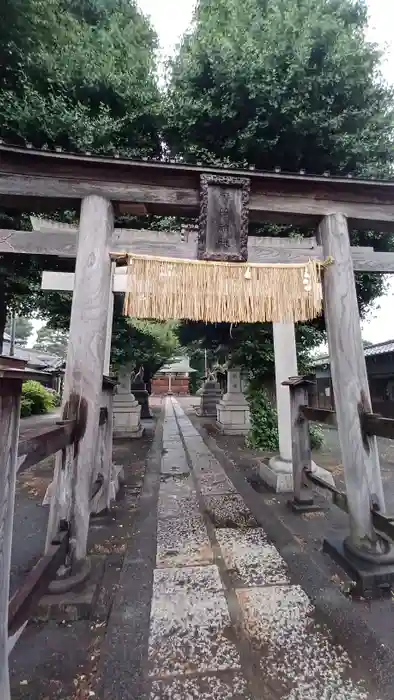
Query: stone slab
(128,434)
(215,484)
(278,474)
(183,541)
(298,655)
(189,624)
(279,481)
(177,497)
(73,605)
(229,686)
(229,511)
(372,580)
(173,462)
(250,559)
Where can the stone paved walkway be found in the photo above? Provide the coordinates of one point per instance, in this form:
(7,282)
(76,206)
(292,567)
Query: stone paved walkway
(226,622)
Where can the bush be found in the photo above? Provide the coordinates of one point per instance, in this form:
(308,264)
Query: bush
(263,434)
(317,436)
(57,399)
(41,400)
(26,407)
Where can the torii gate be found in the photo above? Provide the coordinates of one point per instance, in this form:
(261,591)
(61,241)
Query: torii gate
(35,180)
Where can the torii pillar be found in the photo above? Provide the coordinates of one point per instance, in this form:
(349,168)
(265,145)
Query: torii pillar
(84,369)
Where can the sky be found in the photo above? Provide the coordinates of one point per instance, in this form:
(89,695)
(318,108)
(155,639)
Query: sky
(171,18)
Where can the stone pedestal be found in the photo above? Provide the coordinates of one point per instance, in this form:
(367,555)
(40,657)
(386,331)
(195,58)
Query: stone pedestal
(278,473)
(127,411)
(210,397)
(233,414)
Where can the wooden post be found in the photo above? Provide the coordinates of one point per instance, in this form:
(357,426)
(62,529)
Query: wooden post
(350,383)
(86,354)
(10,398)
(104,450)
(300,443)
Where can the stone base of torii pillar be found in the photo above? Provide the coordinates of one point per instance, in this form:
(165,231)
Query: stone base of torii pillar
(232,412)
(127,410)
(278,473)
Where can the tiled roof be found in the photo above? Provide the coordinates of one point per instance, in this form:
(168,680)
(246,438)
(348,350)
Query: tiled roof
(34,358)
(179,365)
(369,351)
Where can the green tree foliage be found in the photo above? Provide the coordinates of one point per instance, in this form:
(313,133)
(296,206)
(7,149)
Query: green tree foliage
(288,83)
(36,399)
(247,345)
(142,343)
(84,78)
(282,83)
(52,340)
(23,330)
(134,342)
(75,75)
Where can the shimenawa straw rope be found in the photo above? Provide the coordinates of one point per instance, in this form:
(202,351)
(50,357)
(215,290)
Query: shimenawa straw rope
(170,288)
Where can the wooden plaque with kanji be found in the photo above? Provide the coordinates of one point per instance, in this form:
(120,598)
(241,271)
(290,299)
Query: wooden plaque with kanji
(224,218)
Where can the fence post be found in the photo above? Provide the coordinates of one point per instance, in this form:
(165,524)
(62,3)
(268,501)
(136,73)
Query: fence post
(10,400)
(300,444)
(102,500)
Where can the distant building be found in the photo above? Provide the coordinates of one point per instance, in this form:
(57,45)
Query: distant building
(380,368)
(38,360)
(173,377)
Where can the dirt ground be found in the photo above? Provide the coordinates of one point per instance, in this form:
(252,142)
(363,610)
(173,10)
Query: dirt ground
(59,659)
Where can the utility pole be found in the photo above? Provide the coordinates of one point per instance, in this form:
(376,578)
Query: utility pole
(13,333)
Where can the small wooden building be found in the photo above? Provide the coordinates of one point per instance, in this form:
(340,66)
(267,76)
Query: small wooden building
(379,359)
(173,378)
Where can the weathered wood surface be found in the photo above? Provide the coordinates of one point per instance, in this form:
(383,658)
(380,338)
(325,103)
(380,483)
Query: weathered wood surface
(103,461)
(63,190)
(350,383)
(306,211)
(10,398)
(86,354)
(27,175)
(224,218)
(320,415)
(36,584)
(64,244)
(300,441)
(374,424)
(38,444)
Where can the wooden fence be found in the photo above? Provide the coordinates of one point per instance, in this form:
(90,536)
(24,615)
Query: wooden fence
(15,455)
(302,415)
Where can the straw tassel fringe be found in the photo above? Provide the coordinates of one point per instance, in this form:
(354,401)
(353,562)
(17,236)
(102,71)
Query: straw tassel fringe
(166,288)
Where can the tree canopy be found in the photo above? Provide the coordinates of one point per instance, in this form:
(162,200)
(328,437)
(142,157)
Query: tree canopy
(287,83)
(51,340)
(292,84)
(23,329)
(79,75)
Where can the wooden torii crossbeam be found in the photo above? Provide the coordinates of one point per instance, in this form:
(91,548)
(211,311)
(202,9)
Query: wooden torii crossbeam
(60,240)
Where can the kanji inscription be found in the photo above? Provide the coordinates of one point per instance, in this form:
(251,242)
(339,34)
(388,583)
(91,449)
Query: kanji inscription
(224,218)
